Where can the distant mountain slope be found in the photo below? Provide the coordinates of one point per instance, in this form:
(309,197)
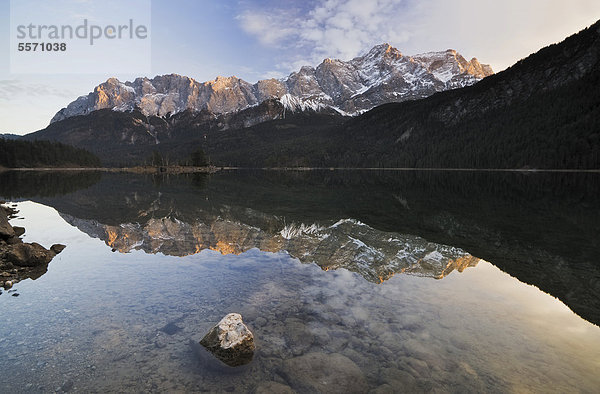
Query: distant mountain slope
(543,112)
(382,75)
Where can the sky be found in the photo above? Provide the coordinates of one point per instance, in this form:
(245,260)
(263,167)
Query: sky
(254,39)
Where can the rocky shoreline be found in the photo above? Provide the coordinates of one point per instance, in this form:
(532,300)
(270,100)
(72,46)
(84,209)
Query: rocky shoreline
(20,260)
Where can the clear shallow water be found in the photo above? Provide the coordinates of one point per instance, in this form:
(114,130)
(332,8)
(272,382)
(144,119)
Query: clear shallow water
(107,321)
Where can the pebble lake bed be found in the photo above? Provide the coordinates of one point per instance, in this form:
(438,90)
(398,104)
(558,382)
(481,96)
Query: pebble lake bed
(103,319)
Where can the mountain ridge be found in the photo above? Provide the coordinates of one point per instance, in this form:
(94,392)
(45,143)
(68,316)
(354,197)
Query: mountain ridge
(381,75)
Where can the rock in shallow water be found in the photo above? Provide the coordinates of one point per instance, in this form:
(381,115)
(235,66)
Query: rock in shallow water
(230,341)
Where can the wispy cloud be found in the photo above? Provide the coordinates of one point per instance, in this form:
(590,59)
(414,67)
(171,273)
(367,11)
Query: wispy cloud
(331,28)
(497,32)
(271,74)
(11,89)
(270,28)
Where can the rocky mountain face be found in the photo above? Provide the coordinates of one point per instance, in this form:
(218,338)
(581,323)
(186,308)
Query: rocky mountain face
(380,76)
(453,69)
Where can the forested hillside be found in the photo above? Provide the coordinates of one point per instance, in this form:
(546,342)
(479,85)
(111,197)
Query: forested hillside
(18,153)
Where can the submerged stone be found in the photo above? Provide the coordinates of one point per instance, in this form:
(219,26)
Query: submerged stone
(324,373)
(170,328)
(230,341)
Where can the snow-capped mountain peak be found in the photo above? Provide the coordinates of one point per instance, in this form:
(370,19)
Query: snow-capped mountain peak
(382,50)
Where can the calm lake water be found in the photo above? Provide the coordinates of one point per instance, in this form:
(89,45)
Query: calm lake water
(352,281)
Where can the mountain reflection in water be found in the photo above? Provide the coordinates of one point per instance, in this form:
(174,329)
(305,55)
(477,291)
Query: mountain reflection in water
(541,228)
(348,244)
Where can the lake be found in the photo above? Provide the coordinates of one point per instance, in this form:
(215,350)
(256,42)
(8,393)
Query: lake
(351,281)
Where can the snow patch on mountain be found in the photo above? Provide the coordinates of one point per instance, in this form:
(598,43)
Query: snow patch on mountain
(293,103)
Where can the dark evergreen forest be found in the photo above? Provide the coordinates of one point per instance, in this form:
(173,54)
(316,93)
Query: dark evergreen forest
(19,153)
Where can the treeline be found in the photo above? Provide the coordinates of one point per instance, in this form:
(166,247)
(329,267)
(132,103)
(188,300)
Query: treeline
(196,159)
(29,154)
